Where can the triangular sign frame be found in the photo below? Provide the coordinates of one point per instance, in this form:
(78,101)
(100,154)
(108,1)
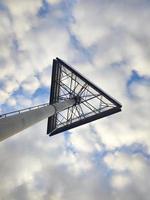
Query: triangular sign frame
(93,102)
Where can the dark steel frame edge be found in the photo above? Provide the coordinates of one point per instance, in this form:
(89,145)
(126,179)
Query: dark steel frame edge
(52,120)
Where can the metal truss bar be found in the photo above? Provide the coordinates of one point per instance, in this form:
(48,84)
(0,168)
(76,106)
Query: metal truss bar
(71,82)
(70,119)
(62,85)
(96,95)
(93,103)
(65,87)
(92,97)
(114,101)
(85,100)
(62,115)
(65,78)
(86,89)
(68,113)
(79,114)
(74,112)
(86,120)
(89,107)
(81,109)
(63,96)
(60,123)
(82,89)
(80,117)
(64,71)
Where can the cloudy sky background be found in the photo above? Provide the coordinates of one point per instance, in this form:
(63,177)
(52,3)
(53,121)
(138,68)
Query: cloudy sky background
(107,41)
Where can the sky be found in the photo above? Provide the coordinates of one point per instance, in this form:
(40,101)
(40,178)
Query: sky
(108,42)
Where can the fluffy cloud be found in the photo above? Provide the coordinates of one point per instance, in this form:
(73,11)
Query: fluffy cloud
(114,31)
(53,1)
(29,43)
(133,125)
(19,9)
(108,159)
(124,162)
(130,171)
(120,181)
(31,85)
(85,143)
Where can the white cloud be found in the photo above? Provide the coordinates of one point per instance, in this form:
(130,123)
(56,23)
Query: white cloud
(113,28)
(130,170)
(23,102)
(18,8)
(4,96)
(11,101)
(31,84)
(29,43)
(10,85)
(22,15)
(45,77)
(122,162)
(140,91)
(108,44)
(120,181)
(85,142)
(75,163)
(130,126)
(53,1)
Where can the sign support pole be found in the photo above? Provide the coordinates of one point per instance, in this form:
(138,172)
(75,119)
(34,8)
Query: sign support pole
(10,125)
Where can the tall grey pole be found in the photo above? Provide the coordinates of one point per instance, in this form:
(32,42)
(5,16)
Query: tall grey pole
(13,124)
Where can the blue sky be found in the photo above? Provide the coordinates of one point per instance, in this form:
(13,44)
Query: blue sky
(108,42)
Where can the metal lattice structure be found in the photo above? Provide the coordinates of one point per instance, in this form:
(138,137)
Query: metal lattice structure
(91,104)
(74,101)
